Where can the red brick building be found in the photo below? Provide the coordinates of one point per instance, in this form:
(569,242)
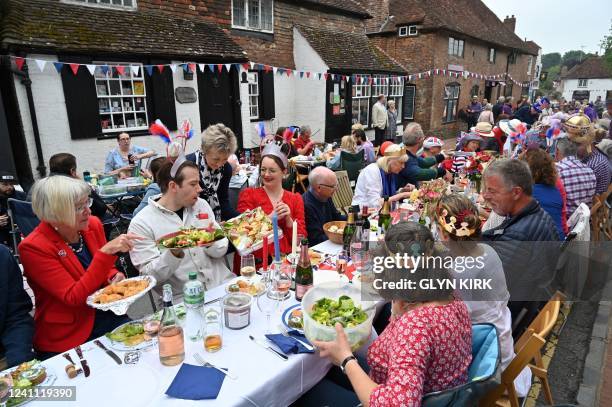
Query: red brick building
(457,36)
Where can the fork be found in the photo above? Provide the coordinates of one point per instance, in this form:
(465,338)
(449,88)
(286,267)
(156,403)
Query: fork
(284,332)
(204,363)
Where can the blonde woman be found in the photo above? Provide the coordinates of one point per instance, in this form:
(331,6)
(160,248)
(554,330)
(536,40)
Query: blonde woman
(347,144)
(487,115)
(65,259)
(379,179)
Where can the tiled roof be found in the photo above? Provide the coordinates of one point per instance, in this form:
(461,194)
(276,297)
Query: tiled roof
(469,17)
(49,25)
(591,68)
(348,51)
(351,6)
(533,47)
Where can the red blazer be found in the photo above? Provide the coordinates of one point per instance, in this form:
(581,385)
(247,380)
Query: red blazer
(251,198)
(61,285)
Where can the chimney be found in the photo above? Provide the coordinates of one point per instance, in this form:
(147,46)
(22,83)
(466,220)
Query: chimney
(510,22)
(379,10)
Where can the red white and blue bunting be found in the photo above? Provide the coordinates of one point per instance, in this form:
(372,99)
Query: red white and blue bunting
(358,79)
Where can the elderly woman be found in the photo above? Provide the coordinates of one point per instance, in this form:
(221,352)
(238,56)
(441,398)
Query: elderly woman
(487,115)
(426,347)
(66,259)
(347,144)
(380,179)
(391,130)
(124,157)
(271,196)
(218,143)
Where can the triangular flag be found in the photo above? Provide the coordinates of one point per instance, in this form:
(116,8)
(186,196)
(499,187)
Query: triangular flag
(228,67)
(74,68)
(192,67)
(281,71)
(135,69)
(252,64)
(202,67)
(91,68)
(220,67)
(160,68)
(308,74)
(348,78)
(173,67)
(185,67)
(211,67)
(149,69)
(104,69)
(41,64)
(120,69)
(289,71)
(319,75)
(58,66)
(246,66)
(326,75)
(19,61)
(274,70)
(301,74)
(267,68)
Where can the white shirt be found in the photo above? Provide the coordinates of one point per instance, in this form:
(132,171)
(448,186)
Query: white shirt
(154,222)
(369,188)
(379,116)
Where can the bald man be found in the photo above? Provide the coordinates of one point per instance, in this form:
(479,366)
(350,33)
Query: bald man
(318,205)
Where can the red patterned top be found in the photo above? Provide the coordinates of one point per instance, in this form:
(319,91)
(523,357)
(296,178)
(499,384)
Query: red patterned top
(425,350)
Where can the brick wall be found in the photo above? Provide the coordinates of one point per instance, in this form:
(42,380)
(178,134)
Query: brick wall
(210,10)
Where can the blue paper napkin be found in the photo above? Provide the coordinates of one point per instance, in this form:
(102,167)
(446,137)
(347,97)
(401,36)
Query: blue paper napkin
(196,383)
(289,344)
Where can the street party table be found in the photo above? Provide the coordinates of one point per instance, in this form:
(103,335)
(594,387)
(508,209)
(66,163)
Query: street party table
(263,378)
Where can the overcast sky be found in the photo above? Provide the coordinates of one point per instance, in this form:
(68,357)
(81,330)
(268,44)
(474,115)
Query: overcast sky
(553,25)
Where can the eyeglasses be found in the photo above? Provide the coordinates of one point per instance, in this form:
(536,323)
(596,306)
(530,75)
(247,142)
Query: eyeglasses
(329,186)
(81,208)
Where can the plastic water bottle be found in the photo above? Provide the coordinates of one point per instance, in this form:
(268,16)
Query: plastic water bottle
(193,296)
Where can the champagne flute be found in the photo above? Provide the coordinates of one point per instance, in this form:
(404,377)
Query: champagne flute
(6,383)
(282,281)
(247,266)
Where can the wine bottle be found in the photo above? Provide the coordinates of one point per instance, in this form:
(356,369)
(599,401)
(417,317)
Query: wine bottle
(303,273)
(365,237)
(349,230)
(384,216)
(170,337)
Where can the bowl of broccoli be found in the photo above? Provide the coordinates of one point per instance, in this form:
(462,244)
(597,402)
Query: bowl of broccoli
(329,303)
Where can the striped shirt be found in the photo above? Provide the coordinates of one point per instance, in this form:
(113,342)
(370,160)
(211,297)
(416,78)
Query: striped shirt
(579,182)
(600,165)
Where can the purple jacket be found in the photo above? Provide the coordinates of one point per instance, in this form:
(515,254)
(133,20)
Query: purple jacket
(475,109)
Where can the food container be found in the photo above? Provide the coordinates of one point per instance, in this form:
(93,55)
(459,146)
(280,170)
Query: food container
(110,190)
(314,331)
(237,310)
(335,237)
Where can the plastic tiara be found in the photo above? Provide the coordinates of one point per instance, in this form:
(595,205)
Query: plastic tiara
(274,150)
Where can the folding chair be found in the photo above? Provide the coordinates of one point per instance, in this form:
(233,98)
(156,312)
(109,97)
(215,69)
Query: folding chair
(300,179)
(352,164)
(597,212)
(343,197)
(505,394)
(21,214)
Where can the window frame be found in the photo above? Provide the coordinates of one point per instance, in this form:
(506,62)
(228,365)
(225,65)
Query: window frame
(448,102)
(106,81)
(364,96)
(415,33)
(110,5)
(456,47)
(583,82)
(406,85)
(246,17)
(397,85)
(403,28)
(253,79)
(529,64)
(492,52)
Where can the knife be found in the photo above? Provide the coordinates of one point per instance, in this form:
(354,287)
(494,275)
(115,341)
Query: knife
(271,349)
(84,364)
(108,352)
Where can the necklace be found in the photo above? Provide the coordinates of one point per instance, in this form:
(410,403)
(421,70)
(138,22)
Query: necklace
(78,249)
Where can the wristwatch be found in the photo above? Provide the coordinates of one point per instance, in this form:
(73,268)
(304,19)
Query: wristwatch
(345,361)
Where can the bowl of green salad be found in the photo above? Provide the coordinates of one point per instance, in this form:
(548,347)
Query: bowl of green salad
(329,303)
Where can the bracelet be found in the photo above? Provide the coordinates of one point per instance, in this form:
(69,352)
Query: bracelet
(345,361)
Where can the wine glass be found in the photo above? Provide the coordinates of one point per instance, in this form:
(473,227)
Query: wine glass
(268,304)
(6,383)
(247,266)
(282,281)
(342,262)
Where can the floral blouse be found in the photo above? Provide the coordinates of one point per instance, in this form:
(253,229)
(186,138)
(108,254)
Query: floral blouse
(425,350)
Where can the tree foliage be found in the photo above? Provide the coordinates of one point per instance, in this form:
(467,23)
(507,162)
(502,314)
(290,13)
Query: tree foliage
(606,46)
(573,58)
(552,59)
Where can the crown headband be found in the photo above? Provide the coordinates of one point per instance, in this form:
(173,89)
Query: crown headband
(399,153)
(274,150)
(456,225)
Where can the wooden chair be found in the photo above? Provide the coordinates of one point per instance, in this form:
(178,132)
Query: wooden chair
(596,219)
(505,394)
(606,222)
(542,325)
(343,197)
(300,179)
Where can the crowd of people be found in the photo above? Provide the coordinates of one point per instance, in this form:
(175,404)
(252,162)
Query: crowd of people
(426,346)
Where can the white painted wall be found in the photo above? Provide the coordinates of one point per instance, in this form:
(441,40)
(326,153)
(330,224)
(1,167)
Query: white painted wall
(52,119)
(596,87)
(310,99)
(184,111)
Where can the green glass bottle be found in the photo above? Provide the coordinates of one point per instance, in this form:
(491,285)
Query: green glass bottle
(384,216)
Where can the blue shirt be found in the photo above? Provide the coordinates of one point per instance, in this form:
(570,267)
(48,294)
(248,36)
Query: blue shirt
(114,160)
(317,214)
(152,190)
(549,198)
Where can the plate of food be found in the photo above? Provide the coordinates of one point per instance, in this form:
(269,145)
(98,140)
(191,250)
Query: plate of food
(293,318)
(247,231)
(27,376)
(241,285)
(190,237)
(117,297)
(130,336)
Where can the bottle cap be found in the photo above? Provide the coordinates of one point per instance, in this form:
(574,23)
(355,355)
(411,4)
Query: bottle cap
(193,275)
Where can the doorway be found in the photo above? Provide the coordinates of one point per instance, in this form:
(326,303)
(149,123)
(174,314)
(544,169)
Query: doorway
(338,111)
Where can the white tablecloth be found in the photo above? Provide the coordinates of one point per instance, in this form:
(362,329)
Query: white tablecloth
(263,378)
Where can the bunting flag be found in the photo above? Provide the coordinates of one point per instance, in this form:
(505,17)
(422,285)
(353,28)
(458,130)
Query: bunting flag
(74,68)
(41,64)
(308,75)
(220,67)
(160,68)
(192,67)
(246,66)
(252,64)
(134,69)
(91,68)
(274,70)
(326,75)
(173,67)
(202,67)
(58,66)
(289,71)
(104,69)
(19,61)
(301,74)
(319,75)
(211,67)
(119,68)
(228,67)
(149,69)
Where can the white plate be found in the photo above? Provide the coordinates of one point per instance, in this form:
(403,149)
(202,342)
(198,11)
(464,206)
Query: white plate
(120,307)
(120,346)
(285,318)
(49,380)
(256,279)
